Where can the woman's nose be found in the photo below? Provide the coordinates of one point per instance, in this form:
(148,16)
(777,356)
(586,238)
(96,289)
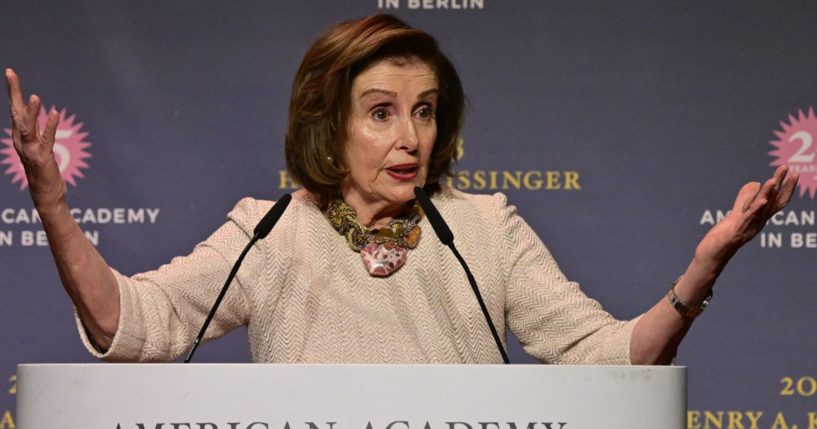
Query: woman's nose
(408,134)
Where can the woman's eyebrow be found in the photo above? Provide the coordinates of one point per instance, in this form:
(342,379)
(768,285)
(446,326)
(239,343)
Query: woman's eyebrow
(378,90)
(428,93)
(424,94)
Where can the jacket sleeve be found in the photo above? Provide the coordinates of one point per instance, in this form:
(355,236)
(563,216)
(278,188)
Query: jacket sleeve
(162,311)
(552,318)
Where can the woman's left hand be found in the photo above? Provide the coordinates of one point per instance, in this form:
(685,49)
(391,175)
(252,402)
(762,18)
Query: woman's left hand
(754,205)
(658,333)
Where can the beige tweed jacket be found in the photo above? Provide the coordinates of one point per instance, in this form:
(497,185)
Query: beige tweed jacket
(305,296)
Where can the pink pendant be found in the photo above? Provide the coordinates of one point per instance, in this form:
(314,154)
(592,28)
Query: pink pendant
(380,261)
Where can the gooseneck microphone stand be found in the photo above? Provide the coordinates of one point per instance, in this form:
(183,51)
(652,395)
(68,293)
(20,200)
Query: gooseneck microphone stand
(261,231)
(447,237)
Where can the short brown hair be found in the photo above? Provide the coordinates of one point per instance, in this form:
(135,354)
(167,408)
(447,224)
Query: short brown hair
(321,98)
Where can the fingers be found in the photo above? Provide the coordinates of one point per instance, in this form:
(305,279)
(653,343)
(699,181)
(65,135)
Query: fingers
(17,106)
(30,127)
(50,131)
(774,194)
(26,122)
(780,173)
(767,192)
(786,192)
(769,198)
(745,196)
(23,115)
(15,93)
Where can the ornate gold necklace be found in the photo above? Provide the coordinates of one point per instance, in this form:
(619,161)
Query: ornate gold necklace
(383,250)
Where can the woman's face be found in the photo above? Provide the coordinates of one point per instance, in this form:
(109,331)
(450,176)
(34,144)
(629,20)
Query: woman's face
(391,131)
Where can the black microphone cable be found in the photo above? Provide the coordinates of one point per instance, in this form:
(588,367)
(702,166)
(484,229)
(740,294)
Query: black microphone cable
(447,237)
(260,232)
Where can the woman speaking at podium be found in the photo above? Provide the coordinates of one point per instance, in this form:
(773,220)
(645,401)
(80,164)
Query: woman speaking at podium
(353,271)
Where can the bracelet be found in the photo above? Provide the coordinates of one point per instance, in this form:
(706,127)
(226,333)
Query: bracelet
(684,309)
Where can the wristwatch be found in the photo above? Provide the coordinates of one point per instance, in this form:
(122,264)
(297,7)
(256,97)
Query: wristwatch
(686,310)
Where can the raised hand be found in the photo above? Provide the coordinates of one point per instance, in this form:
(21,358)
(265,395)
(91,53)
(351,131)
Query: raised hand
(658,333)
(84,273)
(35,147)
(753,207)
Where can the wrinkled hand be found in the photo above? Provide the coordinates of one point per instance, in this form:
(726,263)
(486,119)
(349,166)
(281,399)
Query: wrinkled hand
(35,148)
(754,205)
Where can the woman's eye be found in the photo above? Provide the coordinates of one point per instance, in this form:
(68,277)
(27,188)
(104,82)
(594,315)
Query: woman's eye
(425,112)
(380,114)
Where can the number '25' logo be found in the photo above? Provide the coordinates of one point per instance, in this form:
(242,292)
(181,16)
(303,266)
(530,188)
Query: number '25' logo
(794,146)
(70,150)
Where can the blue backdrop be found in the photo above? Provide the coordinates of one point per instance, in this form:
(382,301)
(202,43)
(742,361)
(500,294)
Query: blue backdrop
(634,123)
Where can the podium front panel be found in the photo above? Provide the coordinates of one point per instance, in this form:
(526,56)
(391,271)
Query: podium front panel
(269,396)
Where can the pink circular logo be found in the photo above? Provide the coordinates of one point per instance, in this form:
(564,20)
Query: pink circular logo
(796,148)
(69,150)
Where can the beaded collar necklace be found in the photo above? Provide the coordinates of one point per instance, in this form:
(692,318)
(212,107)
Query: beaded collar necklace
(383,250)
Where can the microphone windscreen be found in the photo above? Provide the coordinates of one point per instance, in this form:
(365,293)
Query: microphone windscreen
(440,227)
(268,221)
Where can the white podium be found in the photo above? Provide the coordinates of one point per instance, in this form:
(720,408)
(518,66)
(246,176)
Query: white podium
(267,396)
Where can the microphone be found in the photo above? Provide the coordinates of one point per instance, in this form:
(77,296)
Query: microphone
(271,218)
(447,237)
(261,231)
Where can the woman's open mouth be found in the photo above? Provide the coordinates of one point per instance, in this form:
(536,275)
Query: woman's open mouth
(403,172)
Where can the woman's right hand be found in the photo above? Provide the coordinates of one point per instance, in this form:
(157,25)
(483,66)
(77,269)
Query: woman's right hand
(35,147)
(85,275)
